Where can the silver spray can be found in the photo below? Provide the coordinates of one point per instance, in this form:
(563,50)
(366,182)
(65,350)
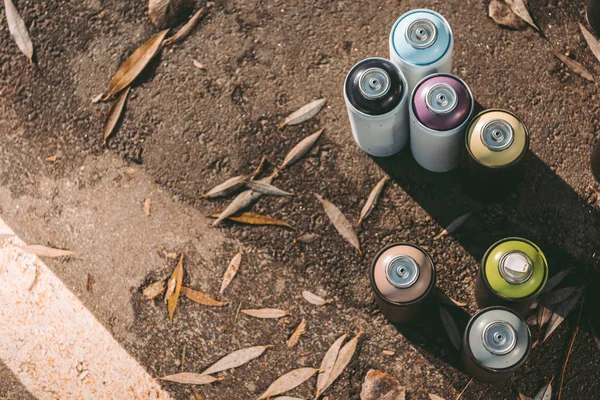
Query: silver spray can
(421,43)
(377,102)
(440,108)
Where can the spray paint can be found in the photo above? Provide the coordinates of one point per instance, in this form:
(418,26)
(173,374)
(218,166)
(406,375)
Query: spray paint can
(512,273)
(496,143)
(440,109)
(593,15)
(376,99)
(496,343)
(595,161)
(421,43)
(403,278)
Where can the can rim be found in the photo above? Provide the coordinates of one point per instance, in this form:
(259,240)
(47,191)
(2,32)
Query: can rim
(372,274)
(515,161)
(472,357)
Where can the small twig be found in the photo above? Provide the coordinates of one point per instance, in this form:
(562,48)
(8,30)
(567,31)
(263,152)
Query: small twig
(182,357)
(237,312)
(36,277)
(562,375)
(465,388)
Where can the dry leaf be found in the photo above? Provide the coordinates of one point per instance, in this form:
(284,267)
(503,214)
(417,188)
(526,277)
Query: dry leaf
(114,115)
(555,280)
(380,386)
(232,269)
(343,359)
(574,66)
(266,188)
(227,187)
(454,225)
(304,113)
(197,64)
(543,315)
(288,381)
(186,29)
(519,8)
(434,397)
(153,290)
(241,201)
(18,30)
(147,206)
(266,313)
(50,158)
(502,14)
(327,364)
(372,200)
(545,393)
(445,299)
(300,330)
(286,398)
(560,295)
(307,238)
(190,378)
(314,299)
(165,13)
(134,65)
(591,40)
(562,311)
(451,328)
(177,277)
(44,251)
(236,359)
(300,149)
(251,219)
(340,222)
(523,397)
(200,298)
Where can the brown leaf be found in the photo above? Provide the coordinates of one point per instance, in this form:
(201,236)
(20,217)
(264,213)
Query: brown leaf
(177,277)
(266,313)
(186,29)
(543,315)
(561,312)
(134,65)
(314,299)
(340,222)
(445,299)
(519,8)
(591,40)
(51,158)
(574,66)
(523,397)
(380,386)
(300,149)
(545,393)
(147,206)
(250,218)
(503,15)
(299,331)
(44,251)
(343,359)
(198,65)
(372,200)
(232,269)
(266,188)
(164,13)
(327,364)
(454,225)
(307,238)
(451,328)
(555,280)
(18,30)
(288,381)
(559,295)
(114,115)
(304,113)
(227,187)
(434,397)
(236,359)
(200,298)
(153,290)
(189,378)
(242,200)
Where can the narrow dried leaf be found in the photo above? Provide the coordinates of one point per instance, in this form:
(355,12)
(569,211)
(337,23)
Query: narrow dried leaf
(304,113)
(198,65)
(161,12)
(327,364)
(502,14)
(523,397)
(288,381)
(44,251)
(314,299)
(445,299)
(545,393)
(147,206)
(307,238)
(135,64)
(200,298)
(560,295)
(51,158)
(343,359)
(454,225)
(300,330)
(340,222)
(300,149)
(556,280)
(519,8)
(575,66)
(114,115)
(266,188)
(372,200)
(543,316)
(227,187)
(251,219)
(435,397)
(171,284)
(266,313)
(18,30)
(186,29)
(236,359)
(380,386)
(151,291)
(242,200)
(591,40)
(451,328)
(190,378)
(561,312)
(174,297)
(232,269)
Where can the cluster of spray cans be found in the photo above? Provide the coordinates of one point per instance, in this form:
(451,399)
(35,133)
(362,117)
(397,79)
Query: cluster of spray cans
(413,97)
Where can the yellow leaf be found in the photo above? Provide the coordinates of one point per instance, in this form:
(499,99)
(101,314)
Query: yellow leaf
(174,297)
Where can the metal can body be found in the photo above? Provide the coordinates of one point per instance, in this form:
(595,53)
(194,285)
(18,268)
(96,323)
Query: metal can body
(421,43)
(496,343)
(441,106)
(377,103)
(496,144)
(403,278)
(512,273)
(595,161)
(593,15)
